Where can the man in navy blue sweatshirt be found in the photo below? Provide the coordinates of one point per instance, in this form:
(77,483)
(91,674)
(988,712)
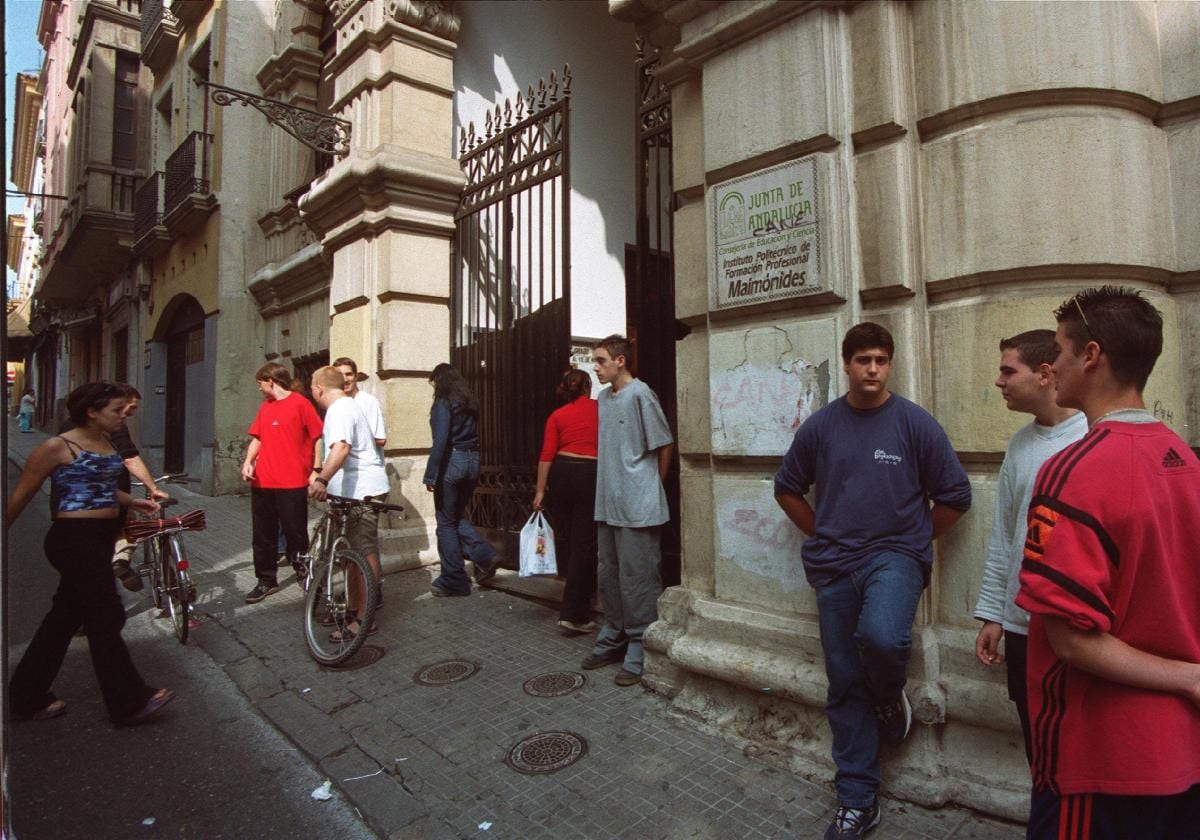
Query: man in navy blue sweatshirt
(888,484)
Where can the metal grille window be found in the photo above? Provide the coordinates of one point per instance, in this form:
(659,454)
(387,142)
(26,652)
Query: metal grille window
(510,303)
(195,346)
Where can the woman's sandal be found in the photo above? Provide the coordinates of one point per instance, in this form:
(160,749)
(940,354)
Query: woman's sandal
(157,700)
(57,708)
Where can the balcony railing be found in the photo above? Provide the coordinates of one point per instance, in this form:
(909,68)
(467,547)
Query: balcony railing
(187,170)
(160,33)
(148,206)
(187,197)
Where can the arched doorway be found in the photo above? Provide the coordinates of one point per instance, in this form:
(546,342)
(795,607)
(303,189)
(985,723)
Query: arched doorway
(182,329)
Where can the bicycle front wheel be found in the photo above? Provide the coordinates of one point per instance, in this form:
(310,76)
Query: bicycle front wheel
(328,597)
(152,559)
(177,586)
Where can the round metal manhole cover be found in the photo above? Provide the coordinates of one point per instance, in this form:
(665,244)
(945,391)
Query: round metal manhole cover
(546,752)
(444,673)
(367,655)
(554,684)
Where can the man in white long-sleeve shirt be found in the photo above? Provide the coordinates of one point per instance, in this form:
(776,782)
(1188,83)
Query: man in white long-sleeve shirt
(1027,384)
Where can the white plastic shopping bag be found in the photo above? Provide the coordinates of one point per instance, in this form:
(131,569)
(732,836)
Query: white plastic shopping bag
(537,547)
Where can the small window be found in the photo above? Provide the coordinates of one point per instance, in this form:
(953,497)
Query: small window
(195,346)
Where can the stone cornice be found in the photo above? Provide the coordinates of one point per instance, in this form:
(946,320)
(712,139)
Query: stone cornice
(392,187)
(26,111)
(437,17)
(291,282)
(282,75)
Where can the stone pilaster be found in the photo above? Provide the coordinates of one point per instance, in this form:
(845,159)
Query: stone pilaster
(386,214)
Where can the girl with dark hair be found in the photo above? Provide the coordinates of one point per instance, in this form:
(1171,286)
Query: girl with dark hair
(568,466)
(83,467)
(451,476)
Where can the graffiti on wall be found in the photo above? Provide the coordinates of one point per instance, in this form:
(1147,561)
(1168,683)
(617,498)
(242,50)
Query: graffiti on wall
(754,535)
(765,383)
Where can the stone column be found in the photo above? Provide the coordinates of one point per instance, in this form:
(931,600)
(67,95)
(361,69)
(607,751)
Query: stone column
(386,214)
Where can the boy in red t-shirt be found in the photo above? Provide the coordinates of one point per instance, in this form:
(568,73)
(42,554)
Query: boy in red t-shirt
(279,462)
(1111,577)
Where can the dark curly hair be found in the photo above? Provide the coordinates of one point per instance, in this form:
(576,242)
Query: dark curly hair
(449,385)
(94,396)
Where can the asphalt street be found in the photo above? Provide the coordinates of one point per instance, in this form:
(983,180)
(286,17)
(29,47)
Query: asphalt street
(208,766)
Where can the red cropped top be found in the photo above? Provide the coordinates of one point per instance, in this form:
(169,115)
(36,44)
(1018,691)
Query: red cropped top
(573,428)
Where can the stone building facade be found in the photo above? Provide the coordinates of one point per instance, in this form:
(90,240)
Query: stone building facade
(959,168)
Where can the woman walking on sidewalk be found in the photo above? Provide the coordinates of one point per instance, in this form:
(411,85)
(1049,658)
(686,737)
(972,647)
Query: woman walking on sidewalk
(451,476)
(568,465)
(83,468)
(27,406)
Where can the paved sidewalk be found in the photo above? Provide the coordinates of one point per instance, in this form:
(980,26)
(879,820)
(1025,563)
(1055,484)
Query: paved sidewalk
(429,762)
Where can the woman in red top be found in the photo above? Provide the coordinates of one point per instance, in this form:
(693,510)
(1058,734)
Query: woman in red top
(568,464)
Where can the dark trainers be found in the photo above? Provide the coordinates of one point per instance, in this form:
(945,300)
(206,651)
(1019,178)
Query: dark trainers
(262,590)
(439,592)
(592,661)
(852,823)
(483,575)
(625,678)
(895,719)
(130,579)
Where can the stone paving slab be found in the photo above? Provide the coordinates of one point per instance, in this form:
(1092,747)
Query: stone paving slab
(646,774)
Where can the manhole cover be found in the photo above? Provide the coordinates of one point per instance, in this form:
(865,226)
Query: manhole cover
(546,752)
(444,673)
(554,684)
(367,655)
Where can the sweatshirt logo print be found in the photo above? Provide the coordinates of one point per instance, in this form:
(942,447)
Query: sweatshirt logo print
(1172,459)
(884,458)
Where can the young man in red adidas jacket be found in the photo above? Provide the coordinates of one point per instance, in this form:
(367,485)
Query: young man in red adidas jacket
(1111,577)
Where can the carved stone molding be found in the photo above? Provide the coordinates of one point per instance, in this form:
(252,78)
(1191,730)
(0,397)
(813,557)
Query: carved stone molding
(434,16)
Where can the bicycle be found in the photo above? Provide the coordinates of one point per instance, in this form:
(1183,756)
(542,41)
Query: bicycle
(329,568)
(165,560)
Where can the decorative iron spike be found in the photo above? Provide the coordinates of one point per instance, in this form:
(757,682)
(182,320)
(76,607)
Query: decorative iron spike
(541,93)
(507,113)
(471,141)
(487,125)
(520,109)
(496,121)
(566,80)
(462,142)
(552,86)
(639,44)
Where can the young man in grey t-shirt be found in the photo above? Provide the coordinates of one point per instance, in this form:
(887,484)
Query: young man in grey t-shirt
(634,454)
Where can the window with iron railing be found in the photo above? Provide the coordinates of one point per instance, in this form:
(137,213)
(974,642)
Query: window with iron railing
(147,206)
(187,170)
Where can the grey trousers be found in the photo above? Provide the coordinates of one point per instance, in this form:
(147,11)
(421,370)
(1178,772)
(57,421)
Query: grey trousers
(629,584)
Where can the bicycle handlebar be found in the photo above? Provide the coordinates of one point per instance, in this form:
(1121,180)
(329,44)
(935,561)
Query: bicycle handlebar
(343,502)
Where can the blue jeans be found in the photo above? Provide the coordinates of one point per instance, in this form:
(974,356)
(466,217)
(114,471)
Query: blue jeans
(456,536)
(866,634)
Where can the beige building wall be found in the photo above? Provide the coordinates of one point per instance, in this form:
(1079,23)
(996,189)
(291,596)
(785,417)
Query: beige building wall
(977,163)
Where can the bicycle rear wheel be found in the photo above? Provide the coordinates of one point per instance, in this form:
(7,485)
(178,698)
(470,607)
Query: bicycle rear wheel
(328,595)
(176,587)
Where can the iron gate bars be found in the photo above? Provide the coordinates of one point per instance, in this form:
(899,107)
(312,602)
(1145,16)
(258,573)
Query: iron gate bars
(511,295)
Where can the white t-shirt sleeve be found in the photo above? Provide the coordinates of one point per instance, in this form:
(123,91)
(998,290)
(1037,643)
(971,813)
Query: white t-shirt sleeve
(339,423)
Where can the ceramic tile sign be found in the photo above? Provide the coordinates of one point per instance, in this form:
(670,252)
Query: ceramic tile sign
(767,235)
(766,381)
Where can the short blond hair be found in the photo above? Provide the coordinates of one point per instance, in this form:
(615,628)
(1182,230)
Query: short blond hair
(328,377)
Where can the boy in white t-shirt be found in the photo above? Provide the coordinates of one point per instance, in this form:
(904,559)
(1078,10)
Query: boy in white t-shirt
(353,469)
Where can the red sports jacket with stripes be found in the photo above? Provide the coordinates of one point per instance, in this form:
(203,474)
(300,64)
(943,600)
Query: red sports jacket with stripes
(1113,547)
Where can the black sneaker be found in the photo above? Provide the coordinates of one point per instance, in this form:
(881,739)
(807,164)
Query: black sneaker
(895,720)
(627,678)
(852,823)
(593,661)
(483,575)
(439,592)
(262,590)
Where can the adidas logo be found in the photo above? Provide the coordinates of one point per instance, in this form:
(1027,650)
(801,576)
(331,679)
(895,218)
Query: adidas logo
(1172,459)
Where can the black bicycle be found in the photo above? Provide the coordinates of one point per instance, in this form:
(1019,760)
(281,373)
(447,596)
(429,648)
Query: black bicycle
(333,572)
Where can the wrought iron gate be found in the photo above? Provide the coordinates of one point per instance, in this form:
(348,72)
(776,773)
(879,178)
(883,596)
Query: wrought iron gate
(511,293)
(650,274)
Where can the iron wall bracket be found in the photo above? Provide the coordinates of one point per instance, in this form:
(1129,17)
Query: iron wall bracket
(320,132)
